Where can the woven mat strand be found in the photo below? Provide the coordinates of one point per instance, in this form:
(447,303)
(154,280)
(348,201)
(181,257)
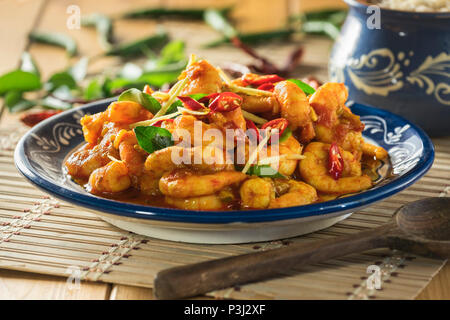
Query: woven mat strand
(44,235)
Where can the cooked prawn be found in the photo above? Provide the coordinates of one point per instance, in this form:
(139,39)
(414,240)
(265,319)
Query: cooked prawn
(313,169)
(288,147)
(92,126)
(188,124)
(203,78)
(209,202)
(111,178)
(83,162)
(294,104)
(336,123)
(127,112)
(183,183)
(201,158)
(256,193)
(129,152)
(299,193)
(260,104)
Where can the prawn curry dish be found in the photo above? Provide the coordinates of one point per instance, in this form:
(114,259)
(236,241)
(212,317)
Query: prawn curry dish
(213,143)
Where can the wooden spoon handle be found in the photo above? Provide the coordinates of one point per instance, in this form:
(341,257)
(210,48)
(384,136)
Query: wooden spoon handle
(195,279)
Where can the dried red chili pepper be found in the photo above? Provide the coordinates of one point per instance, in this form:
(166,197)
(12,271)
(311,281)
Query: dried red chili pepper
(191,104)
(251,126)
(34,117)
(256,80)
(266,87)
(226,101)
(147,89)
(335,161)
(160,122)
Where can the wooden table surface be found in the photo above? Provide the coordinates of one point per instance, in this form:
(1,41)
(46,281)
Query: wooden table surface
(19,17)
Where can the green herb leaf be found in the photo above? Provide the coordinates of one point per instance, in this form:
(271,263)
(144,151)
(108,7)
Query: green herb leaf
(158,76)
(93,90)
(28,64)
(264,171)
(138,47)
(104,27)
(78,70)
(50,102)
(254,38)
(335,16)
(15,102)
(152,139)
(12,97)
(22,105)
(19,80)
(196,14)
(307,89)
(173,52)
(144,99)
(55,39)
(59,79)
(321,27)
(220,23)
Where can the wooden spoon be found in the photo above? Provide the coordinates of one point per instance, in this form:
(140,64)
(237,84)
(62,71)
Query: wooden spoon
(420,227)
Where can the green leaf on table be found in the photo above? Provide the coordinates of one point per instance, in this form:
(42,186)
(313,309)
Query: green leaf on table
(56,39)
(189,13)
(219,22)
(306,88)
(110,86)
(138,47)
(22,105)
(15,101)
(104,27)
(254,38)
(78,70)
(152,138)
(28,64)
(173,52)
(264,171)
(93,90)
(335,16)
(321,27)
(12,97)
(159,78)
(63,93)
(19,80)
(59,79)
(144,99)
(50,102)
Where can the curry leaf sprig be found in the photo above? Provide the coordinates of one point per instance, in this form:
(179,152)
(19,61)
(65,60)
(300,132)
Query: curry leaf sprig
(152,138)
(62,89)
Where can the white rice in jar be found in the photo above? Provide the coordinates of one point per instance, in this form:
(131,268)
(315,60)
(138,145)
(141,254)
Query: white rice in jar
(417,5)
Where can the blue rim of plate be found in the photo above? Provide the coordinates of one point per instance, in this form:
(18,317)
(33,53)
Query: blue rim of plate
(84,199)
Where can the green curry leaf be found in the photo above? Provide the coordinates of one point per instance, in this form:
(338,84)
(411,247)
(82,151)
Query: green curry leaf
(19,80)
(152,139)
(307,89)
(144,99)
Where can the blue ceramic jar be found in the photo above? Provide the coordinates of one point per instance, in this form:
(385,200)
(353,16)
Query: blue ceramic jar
(403,66)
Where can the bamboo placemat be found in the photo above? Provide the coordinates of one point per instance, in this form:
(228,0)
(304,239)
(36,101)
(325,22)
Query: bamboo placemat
(44,235)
